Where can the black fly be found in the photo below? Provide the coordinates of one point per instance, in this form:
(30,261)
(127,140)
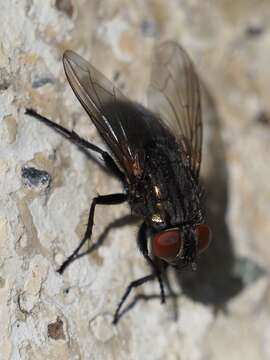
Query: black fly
(155,153)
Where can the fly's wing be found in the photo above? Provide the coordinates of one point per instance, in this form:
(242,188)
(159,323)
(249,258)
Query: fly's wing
(174,95)
(125,126)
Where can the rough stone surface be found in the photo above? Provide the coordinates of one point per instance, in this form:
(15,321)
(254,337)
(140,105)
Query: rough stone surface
(224,307)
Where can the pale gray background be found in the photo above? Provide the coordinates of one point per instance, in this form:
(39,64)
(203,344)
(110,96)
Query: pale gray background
(224,309)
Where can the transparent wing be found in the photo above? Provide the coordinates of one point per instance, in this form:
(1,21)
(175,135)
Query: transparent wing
(125,126)
(174,95)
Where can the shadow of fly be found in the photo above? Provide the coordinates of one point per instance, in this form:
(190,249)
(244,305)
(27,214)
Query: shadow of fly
(155,153)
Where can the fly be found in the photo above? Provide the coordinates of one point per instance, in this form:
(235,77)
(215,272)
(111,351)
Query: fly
(155,153)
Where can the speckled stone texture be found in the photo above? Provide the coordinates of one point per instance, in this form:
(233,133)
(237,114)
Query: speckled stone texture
(46,184)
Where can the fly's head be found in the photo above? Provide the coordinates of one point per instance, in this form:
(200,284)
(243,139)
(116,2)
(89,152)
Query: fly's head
(180,246)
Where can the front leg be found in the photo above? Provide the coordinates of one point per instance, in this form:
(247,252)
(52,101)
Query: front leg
(132,285)
(111,199)
(142,243)
(73,137)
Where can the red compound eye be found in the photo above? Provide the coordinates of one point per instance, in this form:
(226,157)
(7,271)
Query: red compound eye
(204,235)
(167,244)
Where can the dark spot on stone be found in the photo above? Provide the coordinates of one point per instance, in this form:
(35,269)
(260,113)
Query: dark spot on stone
(41,82)
(56,331)
(4,79)
(53,155)
(35,178)
(149,28)
(66,291)
(254,30)
(263,118)
(116,75)
(65,5)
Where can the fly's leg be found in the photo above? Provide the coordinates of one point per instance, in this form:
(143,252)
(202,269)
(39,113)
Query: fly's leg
(132,285)
(144,297)
(142,243)
(147,297)
(116,224)
(112,199)
(80,142)
(171,293)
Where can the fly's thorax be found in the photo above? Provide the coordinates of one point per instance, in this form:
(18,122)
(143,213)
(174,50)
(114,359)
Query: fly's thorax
(167,193)
(173,182)
(149,200)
